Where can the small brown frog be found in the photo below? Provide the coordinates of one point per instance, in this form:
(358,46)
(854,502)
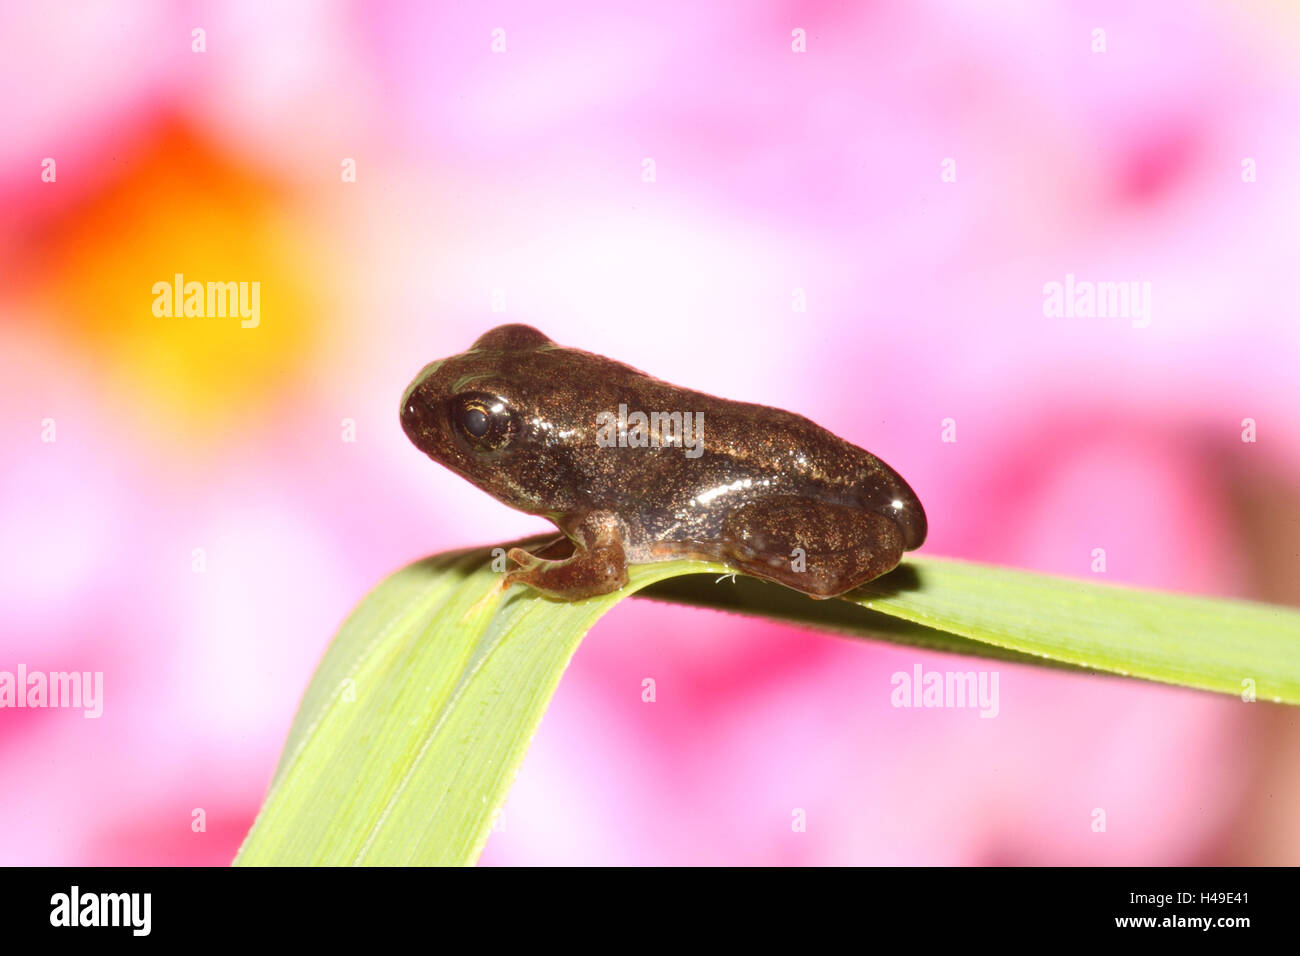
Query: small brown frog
(633,470)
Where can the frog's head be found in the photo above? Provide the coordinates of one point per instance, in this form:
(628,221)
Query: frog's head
(479,414)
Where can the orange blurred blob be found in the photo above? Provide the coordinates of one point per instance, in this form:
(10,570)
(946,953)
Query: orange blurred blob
(178,206)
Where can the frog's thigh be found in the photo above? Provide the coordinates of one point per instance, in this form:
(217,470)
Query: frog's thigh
(819,549)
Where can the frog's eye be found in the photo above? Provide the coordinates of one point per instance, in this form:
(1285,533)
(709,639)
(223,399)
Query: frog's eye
(484,421)
(476,422)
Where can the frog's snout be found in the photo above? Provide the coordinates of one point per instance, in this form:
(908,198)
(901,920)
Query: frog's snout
(417,417)
(906,511)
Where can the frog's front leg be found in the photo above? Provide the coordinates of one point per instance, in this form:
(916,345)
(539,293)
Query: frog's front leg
(598,564)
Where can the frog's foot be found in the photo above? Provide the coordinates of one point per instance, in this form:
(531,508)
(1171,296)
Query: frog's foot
(594,568)
(557,548)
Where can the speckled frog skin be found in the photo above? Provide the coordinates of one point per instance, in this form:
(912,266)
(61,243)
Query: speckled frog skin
(536,425)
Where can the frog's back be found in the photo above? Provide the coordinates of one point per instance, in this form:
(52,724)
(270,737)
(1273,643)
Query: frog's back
(746,453)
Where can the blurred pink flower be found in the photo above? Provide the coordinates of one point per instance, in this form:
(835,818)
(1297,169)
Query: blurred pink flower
(779,178)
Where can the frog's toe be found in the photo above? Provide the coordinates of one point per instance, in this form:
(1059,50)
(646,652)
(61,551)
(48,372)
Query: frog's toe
(526,561)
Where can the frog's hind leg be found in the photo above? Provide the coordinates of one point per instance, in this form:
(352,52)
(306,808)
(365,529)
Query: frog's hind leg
(822,550)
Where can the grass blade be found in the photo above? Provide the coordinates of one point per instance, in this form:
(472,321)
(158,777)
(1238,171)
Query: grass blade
(421,711)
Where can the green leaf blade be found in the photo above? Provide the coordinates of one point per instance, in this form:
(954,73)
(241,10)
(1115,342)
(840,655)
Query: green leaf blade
(422,709)
(1205,643)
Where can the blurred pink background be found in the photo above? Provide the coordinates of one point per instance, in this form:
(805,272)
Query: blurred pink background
(516,177)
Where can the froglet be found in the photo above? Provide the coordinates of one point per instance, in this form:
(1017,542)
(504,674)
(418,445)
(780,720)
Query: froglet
(633,470)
